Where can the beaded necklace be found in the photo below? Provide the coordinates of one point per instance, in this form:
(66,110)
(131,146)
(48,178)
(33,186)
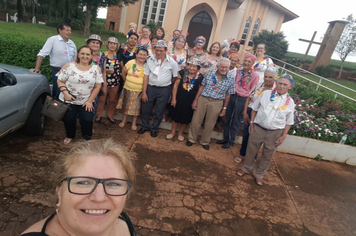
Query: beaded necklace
(258,63)
(273,95)
(188,84)
(134,68)
(215,81)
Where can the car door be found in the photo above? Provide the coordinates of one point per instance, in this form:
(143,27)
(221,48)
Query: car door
(10,108)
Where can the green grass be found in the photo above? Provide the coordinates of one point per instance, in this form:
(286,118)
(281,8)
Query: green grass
(349,66)
(42,32)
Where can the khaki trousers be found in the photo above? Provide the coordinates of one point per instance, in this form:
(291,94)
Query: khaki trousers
(210,109)
(258,136)
(112,97)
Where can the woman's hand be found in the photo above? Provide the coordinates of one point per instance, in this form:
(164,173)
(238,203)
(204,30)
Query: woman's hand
(173,103)
(104,89)
(194,105)
(144,97)
(109,72)
(88,106)
(68,97)
(246,118)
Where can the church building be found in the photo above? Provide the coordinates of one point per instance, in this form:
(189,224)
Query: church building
(216,20)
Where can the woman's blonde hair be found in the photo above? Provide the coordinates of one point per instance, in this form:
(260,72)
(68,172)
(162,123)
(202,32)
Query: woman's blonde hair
(104,147)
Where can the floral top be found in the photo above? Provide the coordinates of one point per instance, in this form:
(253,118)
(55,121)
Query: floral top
(260,67)
(80,83)
(113,79)
(179,58)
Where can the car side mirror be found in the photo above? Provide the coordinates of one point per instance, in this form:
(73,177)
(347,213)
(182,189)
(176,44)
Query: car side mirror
(7,79)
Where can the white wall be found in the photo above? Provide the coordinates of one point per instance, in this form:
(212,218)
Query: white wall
(272,19)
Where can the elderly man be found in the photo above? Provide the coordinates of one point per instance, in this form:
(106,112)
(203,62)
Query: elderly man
(159,72)
(246,79)
(271,118)
(211,101)
(60,50)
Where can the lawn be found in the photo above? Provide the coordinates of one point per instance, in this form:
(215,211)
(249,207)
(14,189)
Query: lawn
(42,32)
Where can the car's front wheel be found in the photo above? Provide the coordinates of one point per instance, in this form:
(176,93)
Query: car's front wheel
(35,121)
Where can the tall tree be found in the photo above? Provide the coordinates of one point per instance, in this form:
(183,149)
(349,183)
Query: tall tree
(277,45)
(94,4)
(347,42)
(19,10)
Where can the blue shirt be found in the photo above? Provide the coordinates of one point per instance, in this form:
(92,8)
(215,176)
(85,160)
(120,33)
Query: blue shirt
(218,90)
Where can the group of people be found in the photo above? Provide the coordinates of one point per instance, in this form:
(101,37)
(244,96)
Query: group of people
(145,73)
(150,75)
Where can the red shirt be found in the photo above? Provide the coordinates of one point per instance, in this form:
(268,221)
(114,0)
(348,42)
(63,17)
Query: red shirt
(245,82)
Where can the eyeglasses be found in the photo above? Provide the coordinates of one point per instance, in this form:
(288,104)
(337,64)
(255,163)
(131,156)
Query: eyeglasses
(82,185)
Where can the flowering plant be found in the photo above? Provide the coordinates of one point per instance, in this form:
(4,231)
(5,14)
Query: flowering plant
(326,122)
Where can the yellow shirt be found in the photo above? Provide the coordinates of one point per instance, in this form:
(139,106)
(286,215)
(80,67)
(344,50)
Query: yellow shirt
(134,82)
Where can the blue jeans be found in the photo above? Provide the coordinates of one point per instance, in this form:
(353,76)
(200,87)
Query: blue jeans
(55,89)
(233,117)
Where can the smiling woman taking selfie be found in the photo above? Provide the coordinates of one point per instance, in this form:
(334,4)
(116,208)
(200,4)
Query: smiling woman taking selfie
(92,185)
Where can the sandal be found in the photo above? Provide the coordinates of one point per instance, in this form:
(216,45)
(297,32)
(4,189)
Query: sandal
(259,182)
(240,173)
(239,159)
(134,127)
(169,136)
(121,125)
(67,140)
(180,138)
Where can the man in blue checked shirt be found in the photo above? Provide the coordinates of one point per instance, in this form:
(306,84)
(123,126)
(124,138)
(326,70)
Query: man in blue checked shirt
(211,101)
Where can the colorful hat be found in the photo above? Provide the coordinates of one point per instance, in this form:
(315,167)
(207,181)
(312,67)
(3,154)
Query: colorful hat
(112,39)
(94,37)
(161,44)
(194,61)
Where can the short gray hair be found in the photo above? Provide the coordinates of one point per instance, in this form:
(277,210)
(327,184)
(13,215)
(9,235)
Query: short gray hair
(272,70)
(221,59)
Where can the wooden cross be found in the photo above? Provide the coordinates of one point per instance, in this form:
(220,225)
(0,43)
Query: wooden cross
(310,44)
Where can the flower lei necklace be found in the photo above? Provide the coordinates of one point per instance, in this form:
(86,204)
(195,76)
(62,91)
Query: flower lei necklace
(195,52)
(243,82)
(114,58)
(174,56)
(215,81)
(273,95)
(258,63)
(131,53)
(188,84)
(134,68)
(97,61)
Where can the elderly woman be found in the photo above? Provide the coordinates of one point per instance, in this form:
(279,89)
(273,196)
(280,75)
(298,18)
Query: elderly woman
(272,116)
(113,71)
(130,98)
(198,50)
(92,184)
(211,61)
(79,83)
(183,94)
(177,52)
(268,84)
(262,61)
(144,39)
(129,51)
(234,48)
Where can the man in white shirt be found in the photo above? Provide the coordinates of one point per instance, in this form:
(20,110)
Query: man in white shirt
(271,118)
(159,72)
(60,50)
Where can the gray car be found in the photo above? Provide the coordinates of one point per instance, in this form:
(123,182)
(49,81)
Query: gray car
(22,94)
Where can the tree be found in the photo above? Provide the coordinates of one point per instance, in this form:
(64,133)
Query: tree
(94,4)
(276,44)
(347,42)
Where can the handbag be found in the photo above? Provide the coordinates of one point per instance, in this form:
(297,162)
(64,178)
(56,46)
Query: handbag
(54,109)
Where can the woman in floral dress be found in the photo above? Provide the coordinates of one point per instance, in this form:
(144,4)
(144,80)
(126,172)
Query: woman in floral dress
(177,52)
(79,83)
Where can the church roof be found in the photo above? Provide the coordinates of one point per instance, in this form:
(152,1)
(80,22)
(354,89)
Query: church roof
(289,15)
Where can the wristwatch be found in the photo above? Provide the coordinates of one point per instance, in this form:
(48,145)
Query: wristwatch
(224,108)
(251,122)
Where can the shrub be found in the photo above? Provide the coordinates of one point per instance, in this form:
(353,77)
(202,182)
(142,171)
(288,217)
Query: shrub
(19,51)
(325,71)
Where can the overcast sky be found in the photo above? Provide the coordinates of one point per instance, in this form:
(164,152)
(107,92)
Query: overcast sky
(314,15)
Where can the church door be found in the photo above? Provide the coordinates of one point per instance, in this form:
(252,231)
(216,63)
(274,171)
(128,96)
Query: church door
(200,25)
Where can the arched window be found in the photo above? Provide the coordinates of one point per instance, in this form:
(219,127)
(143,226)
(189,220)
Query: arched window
(153,11)
(246,30)
(254,31)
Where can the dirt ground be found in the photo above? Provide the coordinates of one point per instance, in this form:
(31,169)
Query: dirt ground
(184,190)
